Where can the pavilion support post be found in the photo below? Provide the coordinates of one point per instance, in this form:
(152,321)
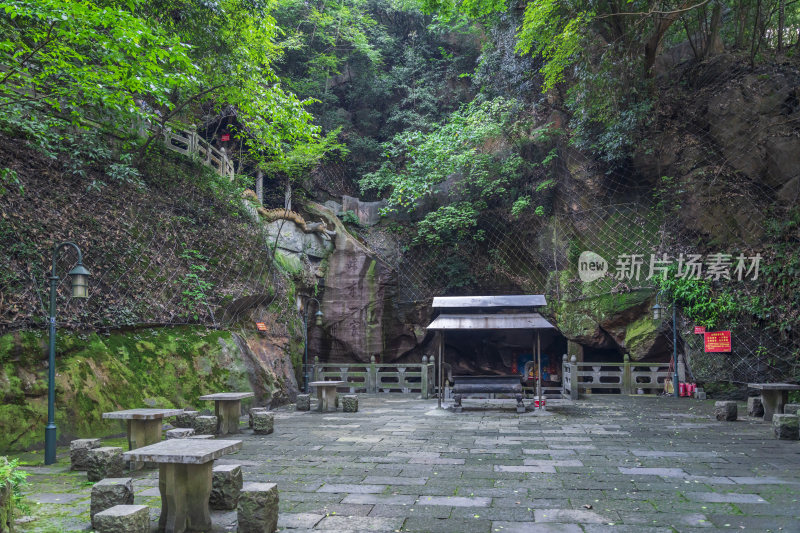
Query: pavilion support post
(441,381)
(539,365)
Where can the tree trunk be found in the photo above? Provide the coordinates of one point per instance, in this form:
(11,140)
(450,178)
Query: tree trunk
(713,45)
(781,22)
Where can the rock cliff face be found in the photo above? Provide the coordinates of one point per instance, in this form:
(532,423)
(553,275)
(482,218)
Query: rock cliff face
(361,315)
(156,367)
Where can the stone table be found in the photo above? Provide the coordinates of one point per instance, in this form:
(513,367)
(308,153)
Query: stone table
(228,408)
(326,393)
(184,479)
(144,425)
(773,396)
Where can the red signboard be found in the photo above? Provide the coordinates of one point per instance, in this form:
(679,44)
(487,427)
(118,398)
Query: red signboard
(699,329)
(718,341)
(261,326)
(226,137)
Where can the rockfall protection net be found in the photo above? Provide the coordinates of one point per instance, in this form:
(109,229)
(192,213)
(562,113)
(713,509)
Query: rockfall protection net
(174,255)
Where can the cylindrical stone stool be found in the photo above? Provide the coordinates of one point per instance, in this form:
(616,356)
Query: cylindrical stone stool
(727,411)
(786,427)
(303,402)
(263,422)
(350,403)
(754,407)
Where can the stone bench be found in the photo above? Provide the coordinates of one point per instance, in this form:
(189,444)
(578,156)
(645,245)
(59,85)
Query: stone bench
(185,419)
(109,492)
(202,437)
(263,422)
(255,410)
(350,403)
(754,407)
(226,486)
(104,462)
(727,411)
(791,409)
(123,519)
(180,433)
(303,402)
(258,508)
(786,427)
(78,452)
(205,425)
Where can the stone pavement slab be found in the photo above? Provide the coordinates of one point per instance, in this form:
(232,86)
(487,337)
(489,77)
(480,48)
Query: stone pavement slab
(603,464)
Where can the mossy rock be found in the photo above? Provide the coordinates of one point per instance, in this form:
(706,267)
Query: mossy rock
(96,373)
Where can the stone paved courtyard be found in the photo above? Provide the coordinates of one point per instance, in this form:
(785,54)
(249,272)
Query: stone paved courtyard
(615,464)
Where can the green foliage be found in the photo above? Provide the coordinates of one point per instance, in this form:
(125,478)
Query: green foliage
(418,161)
(10,473)
(696,298)
(610,106)
(520,205)
(69,55)
(450,223)
(350,217)
(195,288)
(9,178)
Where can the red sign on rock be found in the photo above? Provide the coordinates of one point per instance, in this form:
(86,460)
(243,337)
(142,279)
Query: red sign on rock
(699,329)
(717,341)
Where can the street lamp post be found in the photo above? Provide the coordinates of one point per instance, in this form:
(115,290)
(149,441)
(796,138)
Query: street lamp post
(658,314)
(80,289)
(317,321)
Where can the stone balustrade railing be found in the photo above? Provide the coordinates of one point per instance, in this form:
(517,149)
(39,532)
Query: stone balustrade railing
(614,378)
(189,143)
(375,377)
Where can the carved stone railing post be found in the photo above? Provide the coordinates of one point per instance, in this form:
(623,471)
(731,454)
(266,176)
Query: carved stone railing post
(372,376)
(627,386)
(423,370)
(573,382)
(316,374)
(401,380)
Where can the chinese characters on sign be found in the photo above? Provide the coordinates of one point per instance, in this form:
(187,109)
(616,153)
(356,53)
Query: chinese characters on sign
(261,326)
(699,330)
(717,341)
(691,266)
(225,137)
